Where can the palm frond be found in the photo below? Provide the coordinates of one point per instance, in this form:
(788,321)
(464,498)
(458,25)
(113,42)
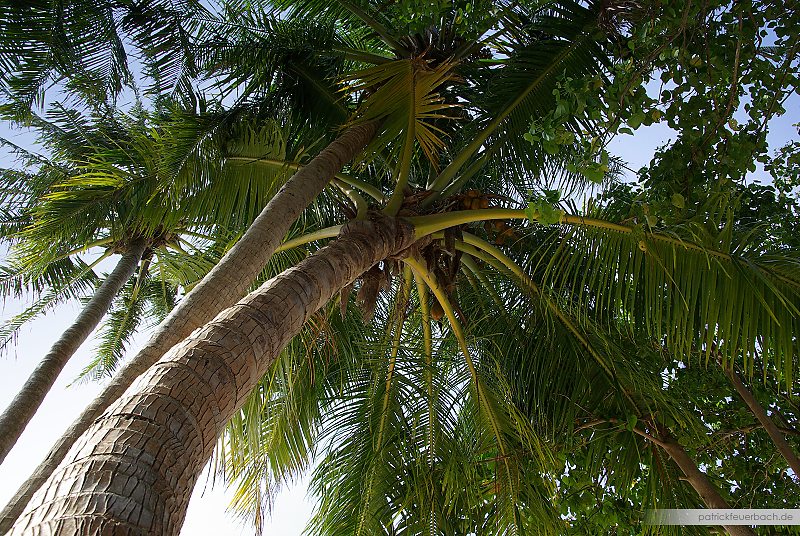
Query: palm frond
(120,324)
(683,295)
(273,64)
(45,42)
(403,95)
(60,285)
(560,44)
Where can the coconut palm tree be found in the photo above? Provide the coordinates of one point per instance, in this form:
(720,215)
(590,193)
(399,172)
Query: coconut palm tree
(104,188)
(236,272)
(410,87)
(554,396)
(44,242)
(268,456)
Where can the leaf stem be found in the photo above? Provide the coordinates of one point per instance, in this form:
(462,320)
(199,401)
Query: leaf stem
(328,232)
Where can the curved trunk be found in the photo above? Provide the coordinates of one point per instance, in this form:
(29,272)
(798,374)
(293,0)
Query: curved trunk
(133,471)
(222,287)
(776,435)
(700,482)
(25,405)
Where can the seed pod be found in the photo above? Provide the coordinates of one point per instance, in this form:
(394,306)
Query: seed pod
(483,203)
(437,312)
(367,295)
(508,233)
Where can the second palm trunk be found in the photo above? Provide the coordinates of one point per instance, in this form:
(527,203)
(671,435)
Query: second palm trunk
(133,471)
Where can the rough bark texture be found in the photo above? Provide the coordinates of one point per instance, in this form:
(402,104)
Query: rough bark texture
(24,406)
(221,288)
(133,471)
(763,419)
(701,484)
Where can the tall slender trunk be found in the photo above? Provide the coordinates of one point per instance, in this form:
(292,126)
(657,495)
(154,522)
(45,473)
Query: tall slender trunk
(762,417)
(221,288)
(700,482)
(25,405)
(133,471)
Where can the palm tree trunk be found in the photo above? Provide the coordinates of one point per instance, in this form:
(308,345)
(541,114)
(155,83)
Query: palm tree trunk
(700,482)
(226,283)
(133,471)
(22,409)
(762,417)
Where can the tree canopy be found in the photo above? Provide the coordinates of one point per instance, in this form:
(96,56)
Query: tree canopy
(567,343)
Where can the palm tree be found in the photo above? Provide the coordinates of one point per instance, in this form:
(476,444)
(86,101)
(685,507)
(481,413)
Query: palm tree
(218,288)
(105,188)
(585,268)
(93,223)
(233,275)
(339,479)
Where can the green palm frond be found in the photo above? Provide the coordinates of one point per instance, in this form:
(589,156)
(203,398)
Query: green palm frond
(662,286)
(561,43)
(17,188)
(368,410)
(676,292)
(571,399)
(64,133)
(120,324)
(164,31)
(353,411)
(108,182)
(146,299)
(272,440)
(277,65)
(495,479)
(161,294)
(354,15)
(188,268)
(131,176)
(404,95)
(86,46)
(56,284)
(43,42)
(71,274)
(680,293)
(243,184)
(518,458)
